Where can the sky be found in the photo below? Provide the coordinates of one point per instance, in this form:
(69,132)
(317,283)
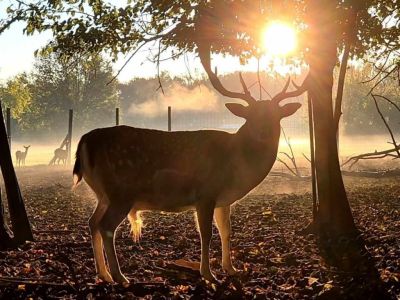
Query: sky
(17,55)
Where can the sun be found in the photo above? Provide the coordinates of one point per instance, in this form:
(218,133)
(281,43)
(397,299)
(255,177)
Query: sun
(279,39)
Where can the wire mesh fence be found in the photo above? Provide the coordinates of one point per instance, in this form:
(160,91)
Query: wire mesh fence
(295,128)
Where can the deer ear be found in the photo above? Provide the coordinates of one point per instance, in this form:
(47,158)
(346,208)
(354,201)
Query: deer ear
(237,109)
(289,109)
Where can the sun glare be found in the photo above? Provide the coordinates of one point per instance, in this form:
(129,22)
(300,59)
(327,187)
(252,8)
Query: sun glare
(279,39)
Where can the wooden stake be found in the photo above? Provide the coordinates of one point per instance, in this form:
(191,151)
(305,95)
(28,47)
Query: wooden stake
(71,113)
(169,119)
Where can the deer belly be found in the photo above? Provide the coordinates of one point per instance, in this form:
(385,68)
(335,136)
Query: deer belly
(171,191)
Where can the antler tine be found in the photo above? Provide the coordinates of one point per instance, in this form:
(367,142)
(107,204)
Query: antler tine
(297,92)
(246,91)
(204,51)
(286,85)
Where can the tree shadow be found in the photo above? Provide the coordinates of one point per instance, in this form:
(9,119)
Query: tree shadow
(357,275)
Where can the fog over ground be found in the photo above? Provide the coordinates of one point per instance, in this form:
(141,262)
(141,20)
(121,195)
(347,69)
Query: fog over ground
(40,153)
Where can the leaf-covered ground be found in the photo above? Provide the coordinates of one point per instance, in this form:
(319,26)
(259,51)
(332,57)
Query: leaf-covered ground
(276,262)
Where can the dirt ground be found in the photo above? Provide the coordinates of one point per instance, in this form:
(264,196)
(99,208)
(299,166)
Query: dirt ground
(276,262)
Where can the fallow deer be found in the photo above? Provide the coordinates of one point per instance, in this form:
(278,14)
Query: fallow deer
(133,169)
(59,155)
(21,156)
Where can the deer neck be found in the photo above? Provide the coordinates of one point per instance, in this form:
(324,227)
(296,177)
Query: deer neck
(254,157)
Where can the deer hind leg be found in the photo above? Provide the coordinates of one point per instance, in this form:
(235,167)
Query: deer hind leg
(223,222)
(111,219)
(204,219)
(97,242)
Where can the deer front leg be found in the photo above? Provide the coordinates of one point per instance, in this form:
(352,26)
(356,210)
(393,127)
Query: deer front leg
(223,221)
(97,243)
(113,216)
(204,218)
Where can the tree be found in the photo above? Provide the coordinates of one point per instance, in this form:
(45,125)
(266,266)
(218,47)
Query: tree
(19,220)
(356,28)
(40,99)
(21,229)
(17,96)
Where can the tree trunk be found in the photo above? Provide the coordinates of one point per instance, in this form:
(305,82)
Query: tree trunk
(334,214)
(19,219)
(5,234)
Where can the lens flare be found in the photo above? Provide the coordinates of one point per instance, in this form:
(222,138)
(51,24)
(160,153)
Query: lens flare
(279,39)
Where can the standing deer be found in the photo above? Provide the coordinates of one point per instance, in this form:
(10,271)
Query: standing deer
(21,156)
(59,155)
(132,170)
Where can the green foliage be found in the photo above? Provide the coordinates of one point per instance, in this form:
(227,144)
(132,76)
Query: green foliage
(16,94)
(40,101)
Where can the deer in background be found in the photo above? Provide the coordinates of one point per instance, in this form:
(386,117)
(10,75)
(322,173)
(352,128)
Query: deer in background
(59,155)
(132,170)
(21,156)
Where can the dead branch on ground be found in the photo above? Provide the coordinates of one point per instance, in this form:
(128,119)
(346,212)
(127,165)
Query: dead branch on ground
(292,166)
(372,155)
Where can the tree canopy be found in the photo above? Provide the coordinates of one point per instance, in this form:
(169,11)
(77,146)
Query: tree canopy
(230,27)
(40,100)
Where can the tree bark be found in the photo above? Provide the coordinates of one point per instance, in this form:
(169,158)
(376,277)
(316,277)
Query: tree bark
(5,234)
(19,219)
(334,213)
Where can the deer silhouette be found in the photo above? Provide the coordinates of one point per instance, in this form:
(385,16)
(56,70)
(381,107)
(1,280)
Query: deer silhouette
(132,169)
(21,156)
(60,155)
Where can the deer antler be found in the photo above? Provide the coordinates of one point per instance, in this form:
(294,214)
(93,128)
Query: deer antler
(297,92)
(204,50)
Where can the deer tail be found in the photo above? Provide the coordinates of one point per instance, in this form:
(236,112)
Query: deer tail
(77,171)
(136,221)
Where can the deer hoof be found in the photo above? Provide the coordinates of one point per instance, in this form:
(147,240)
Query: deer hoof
(121,279)
(208,276)
(231,271)
(105,277)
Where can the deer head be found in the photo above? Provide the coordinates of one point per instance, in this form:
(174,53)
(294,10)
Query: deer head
(262,117)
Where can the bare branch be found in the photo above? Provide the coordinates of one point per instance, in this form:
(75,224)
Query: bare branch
(245,89)
(290,157)
(305,156)
(158,69)
(299,90)
(387,125)
(339,95)
(382,79)
(126,62)
(286,165)
(388,100)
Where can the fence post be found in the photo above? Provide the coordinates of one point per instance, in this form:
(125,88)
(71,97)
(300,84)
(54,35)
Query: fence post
(71,112)
(8,124)
(117,116)
(169,118)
